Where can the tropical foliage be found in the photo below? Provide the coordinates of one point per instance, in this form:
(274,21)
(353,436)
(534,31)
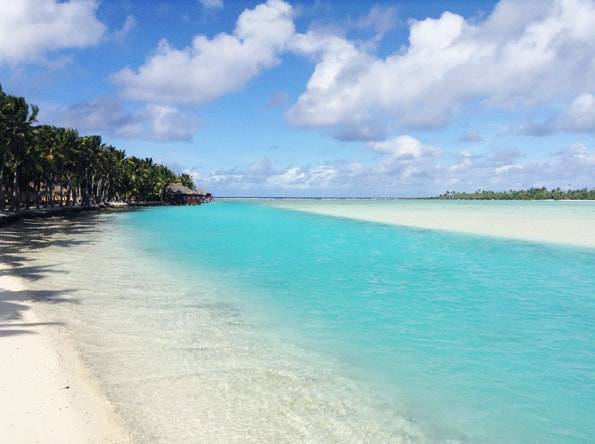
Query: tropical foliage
(529,194)
(47,165)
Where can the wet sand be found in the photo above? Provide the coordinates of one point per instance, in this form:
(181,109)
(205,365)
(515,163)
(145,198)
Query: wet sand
(46,393)
(569,223)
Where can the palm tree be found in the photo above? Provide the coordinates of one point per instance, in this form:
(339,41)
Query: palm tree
(19,116)
(3,143)
(68,143)
(48,157)
(40,158)
(186,180)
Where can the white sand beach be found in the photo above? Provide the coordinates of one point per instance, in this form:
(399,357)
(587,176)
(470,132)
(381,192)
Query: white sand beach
(569,223)
(46,395)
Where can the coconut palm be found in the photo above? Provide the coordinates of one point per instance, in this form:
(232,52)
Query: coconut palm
(40,158)
(19,118)
(186,180)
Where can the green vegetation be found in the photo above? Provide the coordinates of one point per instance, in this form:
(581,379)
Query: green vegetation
(530,194)
(46,165)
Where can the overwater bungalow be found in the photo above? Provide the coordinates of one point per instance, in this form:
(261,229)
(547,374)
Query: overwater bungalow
(179,194)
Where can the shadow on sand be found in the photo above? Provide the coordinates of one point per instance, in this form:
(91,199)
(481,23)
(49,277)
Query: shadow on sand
(18,243)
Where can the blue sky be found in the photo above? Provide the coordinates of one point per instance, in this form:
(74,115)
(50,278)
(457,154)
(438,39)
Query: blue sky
(320,98)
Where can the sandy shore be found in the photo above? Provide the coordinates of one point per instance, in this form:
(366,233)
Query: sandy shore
(538,222)
(46,395)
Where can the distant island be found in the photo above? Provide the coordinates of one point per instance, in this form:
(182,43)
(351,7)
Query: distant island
(529,194)
(47,166)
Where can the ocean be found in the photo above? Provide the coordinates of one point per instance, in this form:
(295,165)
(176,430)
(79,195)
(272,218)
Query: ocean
(240,321)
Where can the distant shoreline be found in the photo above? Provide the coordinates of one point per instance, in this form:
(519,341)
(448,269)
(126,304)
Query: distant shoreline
(392,198)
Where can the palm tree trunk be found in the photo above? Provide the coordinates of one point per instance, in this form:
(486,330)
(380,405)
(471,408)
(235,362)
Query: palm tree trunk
(15,191)
(2,198)
(86,188)
(51,192)
(106,188)
(38,194)
(93,190)
(68,190)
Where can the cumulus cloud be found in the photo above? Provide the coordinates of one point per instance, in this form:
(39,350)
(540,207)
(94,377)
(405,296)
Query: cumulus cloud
(404,147)
(404,161)
(211,68)
(211,4)
(365,131)
(262,177)
(381,19)
(168,123)
(31,29)
(522,54)
(471,137)
(415,175)
(129,24)
(109,116)
(504,169)
(578,117)
(104,114)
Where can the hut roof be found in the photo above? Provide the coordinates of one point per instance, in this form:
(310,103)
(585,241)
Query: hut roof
(178,188)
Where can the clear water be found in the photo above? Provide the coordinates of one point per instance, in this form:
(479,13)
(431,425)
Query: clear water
(239,322)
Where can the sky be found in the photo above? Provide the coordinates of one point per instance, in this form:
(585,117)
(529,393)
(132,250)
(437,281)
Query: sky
(320,98)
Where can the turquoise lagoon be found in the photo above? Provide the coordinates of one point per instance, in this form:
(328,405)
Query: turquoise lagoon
(240,322)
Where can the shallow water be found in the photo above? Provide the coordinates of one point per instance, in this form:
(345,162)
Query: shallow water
(239,322)
(562,222)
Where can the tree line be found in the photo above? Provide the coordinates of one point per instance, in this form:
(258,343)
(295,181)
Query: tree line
(43,165)
(529,194)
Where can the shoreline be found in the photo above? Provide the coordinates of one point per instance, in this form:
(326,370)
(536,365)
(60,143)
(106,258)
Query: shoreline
(8,217)
(46,390)
(208,375)
(567,231)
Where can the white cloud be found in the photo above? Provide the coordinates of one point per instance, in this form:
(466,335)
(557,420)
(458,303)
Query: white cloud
(168,123)
(210,68)
(577,157)
(324,103)
(471,137)
(404,147)
(405,161)
(30,29)
(464,163)
(110,116)
(303,178)
(211,4)
(129,24)
(580,116)
(103,114)
(523,54)
(381,19)
(573,167)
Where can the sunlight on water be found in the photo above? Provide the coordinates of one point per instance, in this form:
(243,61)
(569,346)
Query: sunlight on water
(241,322)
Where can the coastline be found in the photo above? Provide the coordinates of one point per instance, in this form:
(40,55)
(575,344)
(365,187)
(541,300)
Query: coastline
(460,217)
(46,391)
(191,351)
(211,370)
(8,217)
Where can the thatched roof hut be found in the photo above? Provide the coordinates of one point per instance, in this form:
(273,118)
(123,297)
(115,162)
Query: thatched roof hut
(180,194)
(178,188)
